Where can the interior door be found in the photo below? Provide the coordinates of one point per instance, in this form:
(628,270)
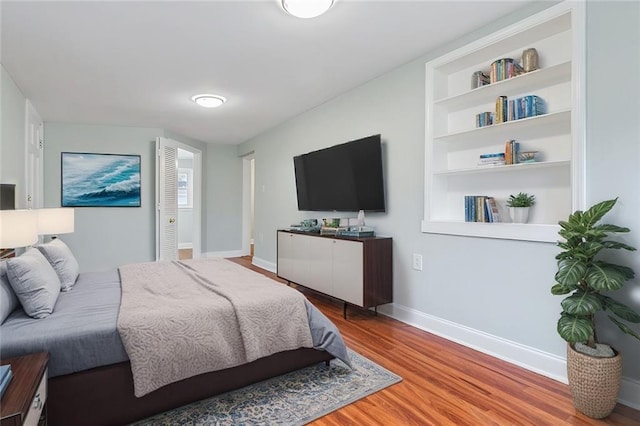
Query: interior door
(167,196)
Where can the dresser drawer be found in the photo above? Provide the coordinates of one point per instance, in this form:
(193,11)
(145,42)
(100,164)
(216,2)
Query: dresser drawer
(35,409)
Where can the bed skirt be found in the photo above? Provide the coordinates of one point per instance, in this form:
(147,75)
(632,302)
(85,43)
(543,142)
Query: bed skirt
(104,395)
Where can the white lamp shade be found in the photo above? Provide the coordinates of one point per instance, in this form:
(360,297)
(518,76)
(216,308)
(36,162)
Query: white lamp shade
(306,8)
(55,221)
(18,228)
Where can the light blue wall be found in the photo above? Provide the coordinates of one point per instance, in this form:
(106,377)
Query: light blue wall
(613,141)
(12,137)
(498,287)
(105,237)
(223,199)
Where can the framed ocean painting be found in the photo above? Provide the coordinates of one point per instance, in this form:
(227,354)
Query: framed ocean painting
(100,180)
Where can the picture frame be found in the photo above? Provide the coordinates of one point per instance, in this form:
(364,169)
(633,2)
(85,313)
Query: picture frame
(100,180)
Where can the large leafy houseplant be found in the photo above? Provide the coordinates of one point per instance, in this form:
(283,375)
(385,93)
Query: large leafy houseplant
(586,277)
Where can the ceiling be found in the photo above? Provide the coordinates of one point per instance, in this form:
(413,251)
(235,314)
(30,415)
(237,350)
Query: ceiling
(137,63)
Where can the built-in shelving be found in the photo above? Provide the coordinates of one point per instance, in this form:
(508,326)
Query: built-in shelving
(453,143)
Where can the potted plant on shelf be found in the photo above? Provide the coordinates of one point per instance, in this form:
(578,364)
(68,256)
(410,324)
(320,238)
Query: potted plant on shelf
(594,369)
(519,206)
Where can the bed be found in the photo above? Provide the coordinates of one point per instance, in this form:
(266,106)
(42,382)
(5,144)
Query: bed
(91,379)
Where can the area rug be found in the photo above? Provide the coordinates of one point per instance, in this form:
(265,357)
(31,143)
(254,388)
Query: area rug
(295,398)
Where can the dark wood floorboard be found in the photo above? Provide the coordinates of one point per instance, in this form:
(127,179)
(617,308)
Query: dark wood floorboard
(444,383)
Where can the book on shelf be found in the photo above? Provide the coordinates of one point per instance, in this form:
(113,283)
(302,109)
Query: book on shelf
(495,159)
(481,208)
(512,109)
(503,69)
(492,208)
(511,148)
(5,377)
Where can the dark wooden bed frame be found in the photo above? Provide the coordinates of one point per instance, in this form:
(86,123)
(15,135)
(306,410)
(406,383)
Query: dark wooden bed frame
(104,395)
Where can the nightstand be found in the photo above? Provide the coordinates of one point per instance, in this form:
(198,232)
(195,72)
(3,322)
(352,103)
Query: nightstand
(23,402)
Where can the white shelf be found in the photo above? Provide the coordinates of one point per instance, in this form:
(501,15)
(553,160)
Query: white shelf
(453,143)
(525,82)
(553,123)
(547,233)
(505,169)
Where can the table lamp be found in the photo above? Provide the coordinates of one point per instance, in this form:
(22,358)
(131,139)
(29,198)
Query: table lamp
(18,228)
(54,221)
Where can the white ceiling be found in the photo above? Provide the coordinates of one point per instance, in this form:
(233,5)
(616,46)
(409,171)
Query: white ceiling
(137,63)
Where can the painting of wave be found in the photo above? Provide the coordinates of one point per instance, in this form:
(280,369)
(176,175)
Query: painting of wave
(100,180)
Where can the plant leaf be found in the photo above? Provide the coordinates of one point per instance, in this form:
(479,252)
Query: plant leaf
(611,228)
(597,211)
(560,289)
(582,303)
(621,310)
(570,271)
(624,270)
(574,329)
(592,248)
(617,245)
(603,277)
(624,327)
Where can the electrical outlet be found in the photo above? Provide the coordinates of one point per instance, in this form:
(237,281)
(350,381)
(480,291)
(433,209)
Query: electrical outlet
(417,262)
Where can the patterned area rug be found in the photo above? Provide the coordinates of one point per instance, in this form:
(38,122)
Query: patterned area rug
(295,398)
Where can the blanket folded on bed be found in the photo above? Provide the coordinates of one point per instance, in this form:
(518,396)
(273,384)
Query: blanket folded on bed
(179,319)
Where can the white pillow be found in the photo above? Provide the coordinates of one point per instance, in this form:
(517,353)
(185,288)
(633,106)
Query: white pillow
(35,283)
(64,263)
(8,299)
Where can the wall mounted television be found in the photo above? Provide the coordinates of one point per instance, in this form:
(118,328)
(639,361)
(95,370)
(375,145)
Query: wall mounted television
(346,177)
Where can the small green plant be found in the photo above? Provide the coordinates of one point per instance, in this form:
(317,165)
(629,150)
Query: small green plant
(586,278)
(521,200)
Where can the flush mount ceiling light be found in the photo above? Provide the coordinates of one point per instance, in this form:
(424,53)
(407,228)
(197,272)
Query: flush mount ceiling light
(306,8)
(209,101)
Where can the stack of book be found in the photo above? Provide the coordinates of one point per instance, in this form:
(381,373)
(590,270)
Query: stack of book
(497,159)
(511,148)
(481,208)
(5,377)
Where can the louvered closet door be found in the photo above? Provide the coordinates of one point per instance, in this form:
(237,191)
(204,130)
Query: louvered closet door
(167,196)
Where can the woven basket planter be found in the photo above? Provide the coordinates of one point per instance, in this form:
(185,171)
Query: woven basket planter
(594,382)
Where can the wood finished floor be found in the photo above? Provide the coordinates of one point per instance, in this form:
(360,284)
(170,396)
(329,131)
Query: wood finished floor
(445,383)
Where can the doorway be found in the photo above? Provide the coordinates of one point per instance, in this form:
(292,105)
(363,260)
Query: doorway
(248,204)
(178,216)
(185,204)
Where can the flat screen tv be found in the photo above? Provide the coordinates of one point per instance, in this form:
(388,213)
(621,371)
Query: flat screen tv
(346,177)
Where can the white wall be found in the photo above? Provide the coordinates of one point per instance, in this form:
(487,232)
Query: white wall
(494,291)
(12,136)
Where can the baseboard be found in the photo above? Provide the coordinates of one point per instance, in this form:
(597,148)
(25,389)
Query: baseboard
(183,246)
(630,393)
(532,359)
(232,253)
(261,263)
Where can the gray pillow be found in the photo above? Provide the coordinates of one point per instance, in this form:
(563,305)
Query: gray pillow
(35,283)
(8,299)
(63,262)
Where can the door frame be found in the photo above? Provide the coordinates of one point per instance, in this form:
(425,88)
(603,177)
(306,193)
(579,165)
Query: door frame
(34,158)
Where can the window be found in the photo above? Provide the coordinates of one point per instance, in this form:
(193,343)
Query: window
(185,188)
